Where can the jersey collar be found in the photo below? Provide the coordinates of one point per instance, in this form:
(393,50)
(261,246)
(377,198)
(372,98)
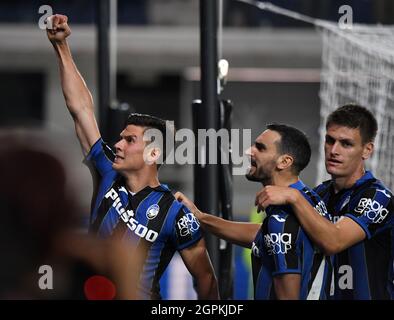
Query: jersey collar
(299,185)
(367,176)
(159,188)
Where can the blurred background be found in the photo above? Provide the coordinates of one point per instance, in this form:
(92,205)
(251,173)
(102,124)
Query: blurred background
(274,75)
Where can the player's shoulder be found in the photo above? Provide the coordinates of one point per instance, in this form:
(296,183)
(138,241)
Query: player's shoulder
(281,217)
(379,186)
(168,195)
(311,195)
(373,201)
(374,189)
(100,146)
(316,201)
(325,185)
(176,209)
(282,224)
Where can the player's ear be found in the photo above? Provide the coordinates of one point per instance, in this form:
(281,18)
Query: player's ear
(155,153)
(152,155)
(284,161)
(367,150)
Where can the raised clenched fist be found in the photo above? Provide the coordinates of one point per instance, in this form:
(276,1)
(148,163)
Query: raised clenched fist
(60,29)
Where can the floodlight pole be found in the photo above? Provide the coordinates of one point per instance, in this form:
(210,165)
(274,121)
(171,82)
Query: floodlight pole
(106,61)
(206,175)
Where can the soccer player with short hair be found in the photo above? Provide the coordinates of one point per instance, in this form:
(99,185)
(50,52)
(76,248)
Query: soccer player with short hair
(285,263)
(131,204)
(362,237)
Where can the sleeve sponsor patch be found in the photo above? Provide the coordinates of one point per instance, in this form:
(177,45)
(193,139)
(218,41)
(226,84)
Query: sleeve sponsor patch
(372,209)
(278,243)
(187,225)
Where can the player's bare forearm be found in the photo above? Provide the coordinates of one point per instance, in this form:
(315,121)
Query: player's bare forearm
(240,233)
(76,93)
(323,232)
(331,237)
(78,98)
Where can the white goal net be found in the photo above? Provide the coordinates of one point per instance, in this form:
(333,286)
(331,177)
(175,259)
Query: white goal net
(358,67)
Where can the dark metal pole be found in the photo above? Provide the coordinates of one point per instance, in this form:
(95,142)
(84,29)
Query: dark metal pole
(106,62)
(206,186)
(103,20)
(225,275)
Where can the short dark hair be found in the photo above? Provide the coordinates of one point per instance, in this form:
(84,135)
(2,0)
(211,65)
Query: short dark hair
(294,143)
(355,117)
(146,120)
(151,122)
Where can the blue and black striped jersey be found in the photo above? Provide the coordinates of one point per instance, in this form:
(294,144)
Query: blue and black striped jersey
(281,247)
(152,220)
(365,270)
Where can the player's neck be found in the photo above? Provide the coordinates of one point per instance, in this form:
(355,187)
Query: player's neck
(347,182)
(283,180)
(136,181)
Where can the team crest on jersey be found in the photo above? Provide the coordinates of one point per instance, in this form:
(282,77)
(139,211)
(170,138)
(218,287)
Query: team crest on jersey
(152,211)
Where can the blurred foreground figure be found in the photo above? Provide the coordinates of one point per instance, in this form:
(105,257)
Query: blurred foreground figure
(42,257)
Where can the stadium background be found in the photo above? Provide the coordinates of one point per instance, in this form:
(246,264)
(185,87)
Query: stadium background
(274,76)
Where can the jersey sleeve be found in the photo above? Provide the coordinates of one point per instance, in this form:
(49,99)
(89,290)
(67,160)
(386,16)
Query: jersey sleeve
(187,229)
(373,210)
(281,242)
(102,157)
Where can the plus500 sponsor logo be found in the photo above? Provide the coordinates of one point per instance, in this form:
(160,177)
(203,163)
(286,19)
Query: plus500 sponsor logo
(127,216)
(277,243)
(372,209)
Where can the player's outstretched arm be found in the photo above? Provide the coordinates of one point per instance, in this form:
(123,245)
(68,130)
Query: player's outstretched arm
(331,238)
(240,233)
(198,263)
(78,97)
